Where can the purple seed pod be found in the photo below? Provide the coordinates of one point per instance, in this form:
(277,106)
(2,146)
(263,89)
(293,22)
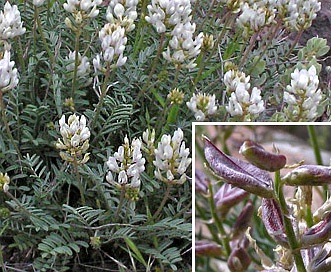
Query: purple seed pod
(317,234)
(312,175)
(239,173)
(322,260)
(201,182)
(239,260)
(207,248)
(258,156)
(273,221)
(228,196)
(243,220)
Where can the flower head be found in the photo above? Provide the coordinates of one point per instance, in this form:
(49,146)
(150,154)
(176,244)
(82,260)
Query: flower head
(75,139)
(10,22)
(8,74)
(125,167)
(171,158)
(302,96)
(202,105)
(83,64)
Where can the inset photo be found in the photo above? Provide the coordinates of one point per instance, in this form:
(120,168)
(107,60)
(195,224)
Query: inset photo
(262,197)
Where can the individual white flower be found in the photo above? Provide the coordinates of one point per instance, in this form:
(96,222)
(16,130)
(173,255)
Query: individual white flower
(171,158)
(10,22)
(38,2)
(8,74)
(233,77)
(75,139)
(123,12)
(83,64)
(163,14)
(125,167)
(242,103)
(302,96)
(202,105)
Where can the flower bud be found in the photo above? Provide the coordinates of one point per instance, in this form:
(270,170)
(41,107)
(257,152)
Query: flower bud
(273,221)
(239,260)
(207,248)
(258,156)
(318,233)
(239,173)
(201,182)
(243,220)
(311,175)
(228,196)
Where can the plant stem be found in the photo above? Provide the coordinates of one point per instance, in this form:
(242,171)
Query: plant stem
(104,90)
(218,222)
(249,48)
(79,181)
(120,203)
(74,80)
(317,151)
(5,122)
(36,16)
(151,73)
(164,200)
(314,142)
(292,239)
(140,34)
(296,40)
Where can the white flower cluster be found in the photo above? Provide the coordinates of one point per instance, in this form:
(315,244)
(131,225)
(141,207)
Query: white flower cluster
(302,96)
(299,14)
(120,15)
(8,74)
(82,9)
(75,139)
(123,12)
(175,16)
(113,41)
(163,14)
(127,163)
(83,66)
(242,101)
(10,22)
(254,17)
(183,46)
(171,158)
(202,105)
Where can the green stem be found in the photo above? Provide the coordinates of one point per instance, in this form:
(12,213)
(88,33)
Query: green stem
(314,142)
(74,80)
(164,200)
(218,222)
(104,90)
(151,73)
(201,65)
(119,208)
(317,152)
(36,15)
(140,34)
(292,240)
(79,181)
(5,122)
